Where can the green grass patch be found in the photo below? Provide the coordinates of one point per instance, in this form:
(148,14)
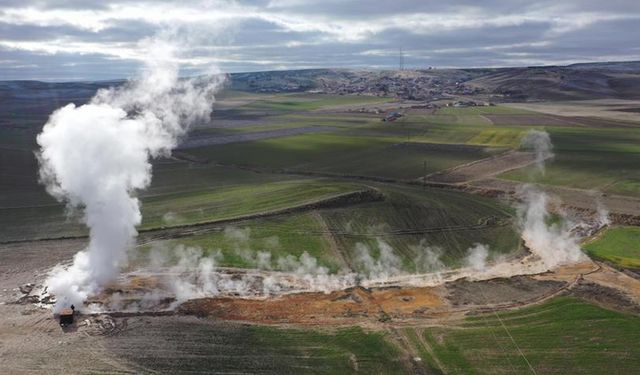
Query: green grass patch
(498,137)
(482,110)
(199,346)
(281,236)
(342,154)
(591,158)
(236,201)
(307,102)
(346,351)
(413,221)
(450,129)
(610,172)
(443,221)
(620,245)
(563,336)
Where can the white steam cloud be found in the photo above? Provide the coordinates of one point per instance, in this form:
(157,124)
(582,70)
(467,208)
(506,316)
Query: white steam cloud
(540,143)
(477,258)
(554,243)
(97,156)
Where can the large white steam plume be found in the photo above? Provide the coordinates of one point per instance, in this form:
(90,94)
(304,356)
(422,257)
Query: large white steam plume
(554,243)
(97,156)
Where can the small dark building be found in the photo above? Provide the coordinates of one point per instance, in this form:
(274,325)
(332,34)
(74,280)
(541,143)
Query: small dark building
(66,317)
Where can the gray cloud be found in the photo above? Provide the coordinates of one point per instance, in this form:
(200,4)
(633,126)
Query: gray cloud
(91,39)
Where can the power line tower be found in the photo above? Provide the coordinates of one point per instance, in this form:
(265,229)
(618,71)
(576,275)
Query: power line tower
(401,62)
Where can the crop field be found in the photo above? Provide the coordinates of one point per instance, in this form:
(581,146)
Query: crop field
(180,194)
(226,348)
(603,159)
(449,129)
(563,336)
(240,243)
(412,220)
(589,170)
(306,102)
(233,202)
(482,110)
(620,245)
(341,154)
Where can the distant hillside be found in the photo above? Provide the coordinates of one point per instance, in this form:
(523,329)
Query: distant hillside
(573,82)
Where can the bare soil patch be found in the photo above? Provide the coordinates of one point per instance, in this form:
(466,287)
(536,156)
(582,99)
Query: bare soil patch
(599,110)
(529,120)
(605,296)
(349,306)
(484,168)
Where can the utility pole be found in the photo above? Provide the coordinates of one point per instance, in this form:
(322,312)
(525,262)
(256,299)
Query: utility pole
(401,59)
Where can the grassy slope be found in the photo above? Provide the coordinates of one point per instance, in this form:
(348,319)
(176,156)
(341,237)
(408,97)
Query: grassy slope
(469,129)
(482,110)
(224,203)
(592,158)
(344,154)
(429,213)
(281,236)
(563,336)
(620,245)
(307,102)
(181,193)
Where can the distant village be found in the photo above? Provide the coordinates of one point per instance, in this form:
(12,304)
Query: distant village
(417,85)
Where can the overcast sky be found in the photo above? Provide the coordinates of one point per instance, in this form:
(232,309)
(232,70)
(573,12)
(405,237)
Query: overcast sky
(99,39)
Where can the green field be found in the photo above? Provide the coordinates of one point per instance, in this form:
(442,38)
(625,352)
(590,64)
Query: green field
(224,203)
(447,129)
(242,349)
(563,336)
(482,110)
(603,159)
(280,236)
(412,220)
(343,154)
(307,102)
(620,245)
